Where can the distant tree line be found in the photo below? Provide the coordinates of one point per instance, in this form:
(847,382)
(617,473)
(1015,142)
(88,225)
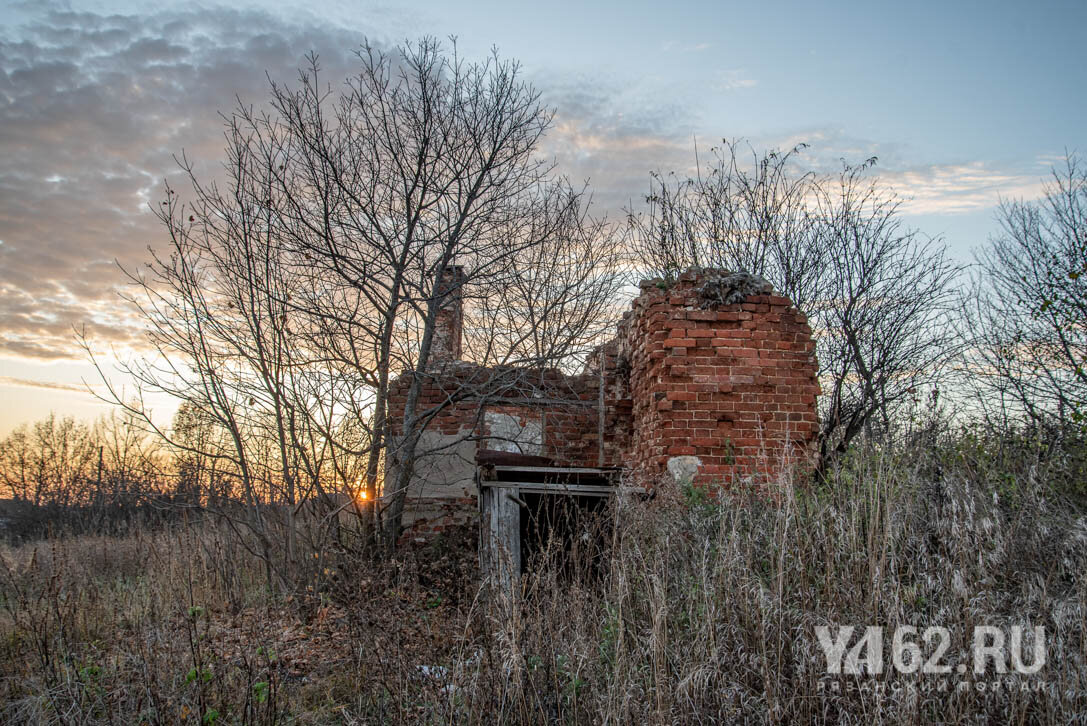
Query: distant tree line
(64,476)
(60,461)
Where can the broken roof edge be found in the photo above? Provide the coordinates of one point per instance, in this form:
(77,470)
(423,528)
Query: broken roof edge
(506,384)
(719,287)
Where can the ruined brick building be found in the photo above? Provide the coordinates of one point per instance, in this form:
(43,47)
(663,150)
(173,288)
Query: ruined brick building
(711,365)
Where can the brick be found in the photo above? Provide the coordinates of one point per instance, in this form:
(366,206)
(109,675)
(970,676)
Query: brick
(693,380)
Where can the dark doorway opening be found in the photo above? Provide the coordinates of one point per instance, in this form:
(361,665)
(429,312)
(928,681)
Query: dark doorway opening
(533,509)
(568,533)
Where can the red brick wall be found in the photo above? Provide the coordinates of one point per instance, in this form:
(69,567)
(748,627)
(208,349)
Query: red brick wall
(569,430)
(469,391)
(734,385)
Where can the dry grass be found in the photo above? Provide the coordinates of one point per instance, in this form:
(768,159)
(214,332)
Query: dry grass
(177,627)
(710,608)
(705,613)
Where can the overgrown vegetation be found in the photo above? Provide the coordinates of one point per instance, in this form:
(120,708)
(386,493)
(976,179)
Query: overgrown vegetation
(705,612)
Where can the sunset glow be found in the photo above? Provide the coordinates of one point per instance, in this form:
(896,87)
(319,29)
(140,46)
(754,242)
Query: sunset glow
(961,107)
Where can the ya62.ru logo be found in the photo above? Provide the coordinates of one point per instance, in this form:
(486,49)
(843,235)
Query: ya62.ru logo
(926,651)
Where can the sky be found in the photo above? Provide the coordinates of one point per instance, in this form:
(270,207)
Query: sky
(963,103)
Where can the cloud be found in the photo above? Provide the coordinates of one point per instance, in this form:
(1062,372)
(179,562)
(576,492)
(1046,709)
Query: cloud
(615,136)
(958,187)
(672,46)
(961,188)
(828,148)
(27,383)
(92,110)
(732,80)
(594,137)
(94,107)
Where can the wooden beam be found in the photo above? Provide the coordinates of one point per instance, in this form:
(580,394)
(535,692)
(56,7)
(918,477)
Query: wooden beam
(542,487)
(557,470)
(502,540)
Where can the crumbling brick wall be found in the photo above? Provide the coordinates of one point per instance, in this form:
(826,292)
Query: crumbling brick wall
(478,407)
(711,365)
(465,395)
(731,383)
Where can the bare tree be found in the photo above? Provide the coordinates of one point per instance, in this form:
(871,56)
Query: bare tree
(1029,317)
(199,476)
(876,293)
(296,291)
(884,320)
(219,319)
(763,220)
(557,295)
(130,465)
(427,165)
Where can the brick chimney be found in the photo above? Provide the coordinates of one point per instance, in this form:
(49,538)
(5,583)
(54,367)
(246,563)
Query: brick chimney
(450,318)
